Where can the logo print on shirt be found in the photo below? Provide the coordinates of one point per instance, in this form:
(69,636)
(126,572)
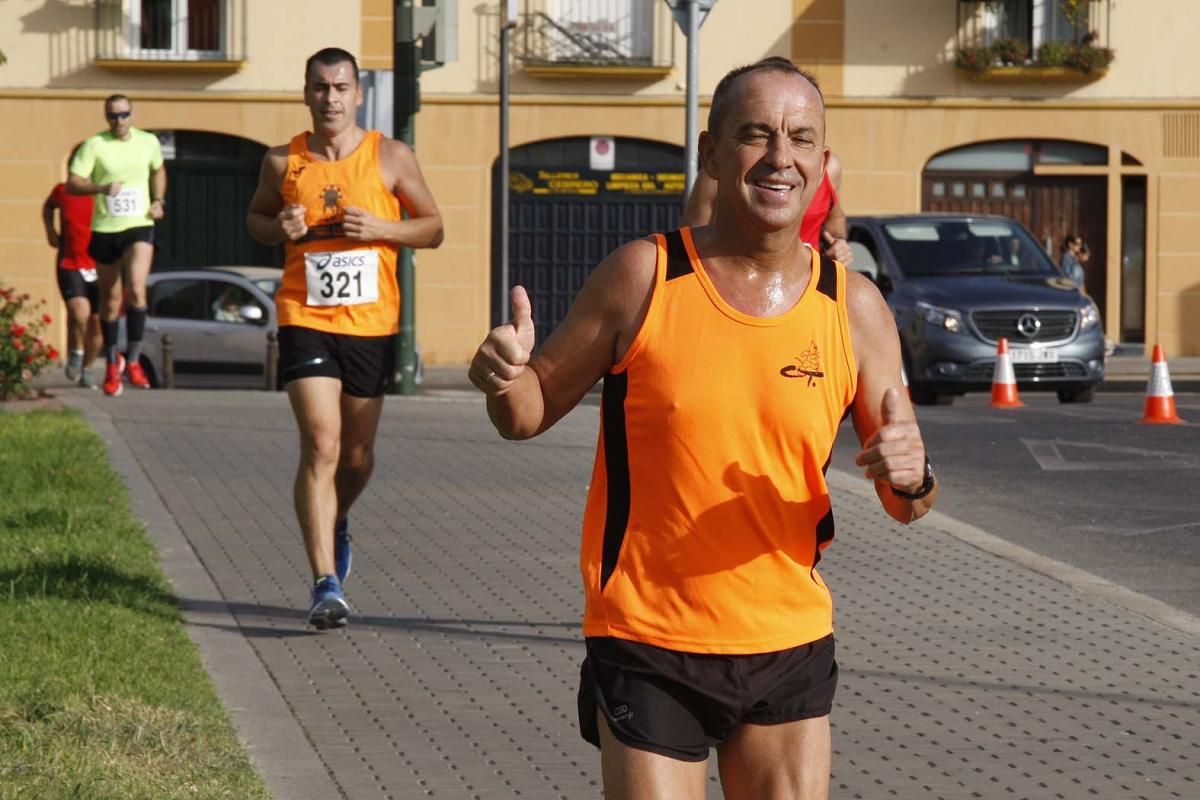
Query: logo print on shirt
(808,365)
(332,198)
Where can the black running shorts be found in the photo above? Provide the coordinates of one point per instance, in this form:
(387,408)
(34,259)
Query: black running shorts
(71,284)
(108,248)
(681,704)
(364,364)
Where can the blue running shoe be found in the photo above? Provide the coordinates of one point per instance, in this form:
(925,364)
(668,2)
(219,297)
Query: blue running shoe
(329,607)
(342,557)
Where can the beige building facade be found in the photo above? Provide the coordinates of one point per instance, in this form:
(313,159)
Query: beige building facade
(896,101)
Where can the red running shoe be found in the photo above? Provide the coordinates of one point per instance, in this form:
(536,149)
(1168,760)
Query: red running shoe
(137,376)
(113,386)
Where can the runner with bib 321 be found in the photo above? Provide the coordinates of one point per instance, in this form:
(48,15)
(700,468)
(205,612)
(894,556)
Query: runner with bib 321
(334,197)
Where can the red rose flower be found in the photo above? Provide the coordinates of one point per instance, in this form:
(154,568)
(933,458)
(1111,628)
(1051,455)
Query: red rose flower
(18,344)
(17,330)
(28,359)
(52,354)
(46,318)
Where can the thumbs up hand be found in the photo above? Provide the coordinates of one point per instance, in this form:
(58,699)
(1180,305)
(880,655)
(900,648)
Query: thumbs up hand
(502,357)
(895,453)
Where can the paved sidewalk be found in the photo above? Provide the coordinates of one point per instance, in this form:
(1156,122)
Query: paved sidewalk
(970,669)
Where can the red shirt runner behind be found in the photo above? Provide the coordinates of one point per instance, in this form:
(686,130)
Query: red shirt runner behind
(818,211)
(76,231)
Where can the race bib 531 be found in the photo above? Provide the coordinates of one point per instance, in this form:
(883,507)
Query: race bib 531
(346,278)
(125,203)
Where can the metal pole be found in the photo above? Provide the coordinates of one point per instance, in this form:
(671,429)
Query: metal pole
(505,278)
(272,367)
(693,81)
(406,73)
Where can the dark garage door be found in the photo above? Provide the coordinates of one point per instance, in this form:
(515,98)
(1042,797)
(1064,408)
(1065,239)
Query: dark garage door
(565,217)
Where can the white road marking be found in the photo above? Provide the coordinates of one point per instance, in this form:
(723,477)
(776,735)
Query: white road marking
(1049,455)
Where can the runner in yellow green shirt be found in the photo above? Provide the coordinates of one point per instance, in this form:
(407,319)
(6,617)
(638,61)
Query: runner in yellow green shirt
(124,165)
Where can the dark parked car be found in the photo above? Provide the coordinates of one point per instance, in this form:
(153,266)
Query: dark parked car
(956,284)
(218,319)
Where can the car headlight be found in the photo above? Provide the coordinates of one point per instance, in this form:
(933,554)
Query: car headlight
(945,318)
(1089,316)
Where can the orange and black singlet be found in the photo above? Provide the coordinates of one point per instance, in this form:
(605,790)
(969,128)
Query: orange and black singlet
(708,506)
(331,283)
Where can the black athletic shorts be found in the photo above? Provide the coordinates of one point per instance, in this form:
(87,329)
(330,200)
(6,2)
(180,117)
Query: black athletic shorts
(107,248)
(681,704)
(71,284)
(364,364)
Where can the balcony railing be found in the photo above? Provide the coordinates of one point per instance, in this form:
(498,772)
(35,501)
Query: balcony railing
(202,33)
(600,36)
(1025,37)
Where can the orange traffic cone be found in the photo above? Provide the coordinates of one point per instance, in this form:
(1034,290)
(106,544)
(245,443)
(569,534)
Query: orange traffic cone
(1004,380)
(1160,398)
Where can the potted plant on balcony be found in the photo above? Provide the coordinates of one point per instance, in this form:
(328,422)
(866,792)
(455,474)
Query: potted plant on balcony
(1089,59)
(1011,51)
(975,60)
(1054,54)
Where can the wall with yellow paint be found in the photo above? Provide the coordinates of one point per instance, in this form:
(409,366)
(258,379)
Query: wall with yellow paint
(53,45)
(907,49)
(729,37)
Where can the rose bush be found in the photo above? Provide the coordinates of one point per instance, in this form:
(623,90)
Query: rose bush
(23,351)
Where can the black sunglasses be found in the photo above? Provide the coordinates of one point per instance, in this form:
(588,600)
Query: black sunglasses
(113,116)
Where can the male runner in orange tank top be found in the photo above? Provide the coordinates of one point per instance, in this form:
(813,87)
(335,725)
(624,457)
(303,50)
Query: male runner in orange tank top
(716,483)
(334,197)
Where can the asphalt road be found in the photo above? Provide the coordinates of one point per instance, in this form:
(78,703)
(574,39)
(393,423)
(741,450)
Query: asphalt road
(1083,484)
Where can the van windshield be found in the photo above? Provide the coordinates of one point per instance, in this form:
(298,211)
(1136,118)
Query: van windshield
(967,247)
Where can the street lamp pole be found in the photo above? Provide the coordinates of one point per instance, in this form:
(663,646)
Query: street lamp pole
(406,68)
(691,127)
(508,21)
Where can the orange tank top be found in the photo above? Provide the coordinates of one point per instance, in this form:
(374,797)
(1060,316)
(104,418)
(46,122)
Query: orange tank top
(708,507)
(331,283)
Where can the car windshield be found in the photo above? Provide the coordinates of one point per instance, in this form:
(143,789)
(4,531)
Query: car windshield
(268,285)
(966,247)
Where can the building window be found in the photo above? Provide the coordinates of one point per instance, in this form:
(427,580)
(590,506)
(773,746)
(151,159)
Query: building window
(626,34)
(998,189)
(176,27)
(172,32)
(939,189)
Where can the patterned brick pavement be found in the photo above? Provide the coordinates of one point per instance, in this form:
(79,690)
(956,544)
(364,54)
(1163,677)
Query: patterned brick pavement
(964,674)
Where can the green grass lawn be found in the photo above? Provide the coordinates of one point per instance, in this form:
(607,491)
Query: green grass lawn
(102,694)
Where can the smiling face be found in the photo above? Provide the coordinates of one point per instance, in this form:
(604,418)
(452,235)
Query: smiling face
(769,154)
(333,95)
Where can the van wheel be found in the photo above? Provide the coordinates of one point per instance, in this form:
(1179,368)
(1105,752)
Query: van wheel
(927,397)
(1085,395)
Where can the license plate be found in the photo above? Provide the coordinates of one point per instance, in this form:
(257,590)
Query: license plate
(1031,355)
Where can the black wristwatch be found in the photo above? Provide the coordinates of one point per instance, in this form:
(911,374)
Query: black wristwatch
(926,485)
